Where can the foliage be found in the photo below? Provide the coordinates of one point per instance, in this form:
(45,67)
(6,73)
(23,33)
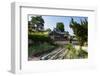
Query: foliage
(39,33)
(39,38)
(40,49)
(69,46)
(35,22)
(72,53)
(37,19)
(82,54)
(80,30)
(60,26)
(70,39)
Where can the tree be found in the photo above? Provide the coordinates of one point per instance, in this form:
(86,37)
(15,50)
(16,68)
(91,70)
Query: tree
(70,39)
(60,26)
(80,30)
(37,22)
(29,26)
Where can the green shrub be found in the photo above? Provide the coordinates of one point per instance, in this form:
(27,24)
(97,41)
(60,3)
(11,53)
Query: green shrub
(82,54)
(41,38)
(40,49)
(69,46)
(71,52)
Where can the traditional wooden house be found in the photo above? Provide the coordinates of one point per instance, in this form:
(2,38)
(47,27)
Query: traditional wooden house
(57,35)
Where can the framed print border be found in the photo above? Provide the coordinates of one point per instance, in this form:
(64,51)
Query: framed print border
(16,30)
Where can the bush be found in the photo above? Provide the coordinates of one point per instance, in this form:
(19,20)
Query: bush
(39,38)
(71,52)
(40,49)
(69,46)
(82,54)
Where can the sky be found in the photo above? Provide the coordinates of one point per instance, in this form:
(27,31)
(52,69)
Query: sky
(51,21)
